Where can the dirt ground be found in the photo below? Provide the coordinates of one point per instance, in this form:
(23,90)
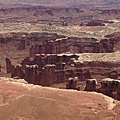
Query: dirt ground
(29,102)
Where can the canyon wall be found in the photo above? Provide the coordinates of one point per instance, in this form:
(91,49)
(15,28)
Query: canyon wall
(45,43)
(53,69)
(75,45)
(108,86)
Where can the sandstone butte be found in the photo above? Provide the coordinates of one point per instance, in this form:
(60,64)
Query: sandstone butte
(22,101)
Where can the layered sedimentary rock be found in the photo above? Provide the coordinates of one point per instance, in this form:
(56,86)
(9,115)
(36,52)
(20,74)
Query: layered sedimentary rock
(91,85)
(22,41)
(75,45)
(17,71)
(41,14)
(9,66)
(115,39)
(49,69)
(72,83)
(44,43)
(52,69)
(100,69)
(50,47)
(31,73)
(108,86)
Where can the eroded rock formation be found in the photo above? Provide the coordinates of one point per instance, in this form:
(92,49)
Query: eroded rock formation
(53,69)
(49,69)
(74,45)
(17,72)
(9,66)
(45,43)
(108,86)
(72,83)
(91,85)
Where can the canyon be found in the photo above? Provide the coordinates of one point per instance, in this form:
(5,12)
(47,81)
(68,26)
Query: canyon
(53,61)
(59,60)
(20,100)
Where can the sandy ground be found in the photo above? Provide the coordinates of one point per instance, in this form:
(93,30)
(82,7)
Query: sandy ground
(31,102)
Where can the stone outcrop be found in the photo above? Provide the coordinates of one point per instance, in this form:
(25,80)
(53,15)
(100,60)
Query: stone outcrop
(17,72)
(91,85)
(46,70)
(108,86)
(115,40)
(45,43)
(53,69)
(49,47)
(47,67)
(26,61)
(23,41)
(50,69)
(9,66)
(100,69)
(72,83)
(48,75)
(31,73)
(75,45)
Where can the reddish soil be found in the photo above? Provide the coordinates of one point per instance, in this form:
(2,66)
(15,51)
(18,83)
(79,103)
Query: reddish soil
(30,102)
